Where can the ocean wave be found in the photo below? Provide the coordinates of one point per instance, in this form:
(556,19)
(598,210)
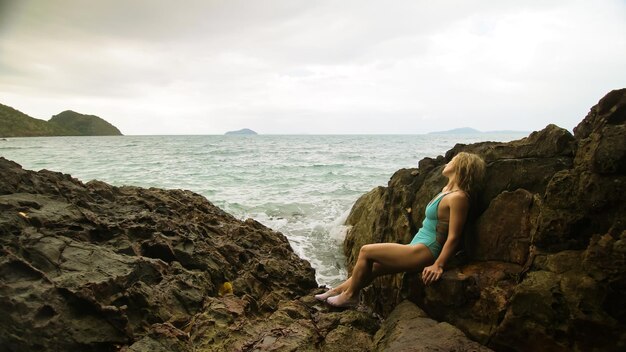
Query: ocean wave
(18,148)
(9,148)
(338,229)
(283,210)
(317,166)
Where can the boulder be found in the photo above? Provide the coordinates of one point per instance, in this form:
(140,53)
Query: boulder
(503,231)
(409,328)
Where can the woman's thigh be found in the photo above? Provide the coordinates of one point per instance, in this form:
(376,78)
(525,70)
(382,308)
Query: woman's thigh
(393,257)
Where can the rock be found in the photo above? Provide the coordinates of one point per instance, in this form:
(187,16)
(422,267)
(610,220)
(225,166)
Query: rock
(610,110)
(472,297)
(503,231)
(408,328)
(94,267)
(542,266)
(302,325)
(602,156)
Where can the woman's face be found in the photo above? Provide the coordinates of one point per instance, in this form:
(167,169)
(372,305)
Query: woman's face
(448,170)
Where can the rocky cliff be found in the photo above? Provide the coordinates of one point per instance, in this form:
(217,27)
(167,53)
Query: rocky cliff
(543,262)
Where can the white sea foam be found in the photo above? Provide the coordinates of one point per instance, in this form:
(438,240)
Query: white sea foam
(338,229)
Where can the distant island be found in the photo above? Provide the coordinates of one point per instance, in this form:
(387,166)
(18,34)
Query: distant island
(244,131)
(469,130)
(14,123)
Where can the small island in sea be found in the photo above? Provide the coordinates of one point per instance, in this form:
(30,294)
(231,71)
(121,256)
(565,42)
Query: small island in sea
(14,123)
(469,130)
(243,131)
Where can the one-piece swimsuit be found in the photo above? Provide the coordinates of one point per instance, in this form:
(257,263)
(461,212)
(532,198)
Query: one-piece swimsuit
(427,234)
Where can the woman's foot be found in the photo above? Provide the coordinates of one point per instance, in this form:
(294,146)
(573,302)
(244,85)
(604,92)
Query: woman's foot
(323,296)
(343,301)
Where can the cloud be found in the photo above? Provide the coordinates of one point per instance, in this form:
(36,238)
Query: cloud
(155,67)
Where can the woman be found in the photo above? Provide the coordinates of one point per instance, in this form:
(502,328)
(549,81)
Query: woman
(433,244)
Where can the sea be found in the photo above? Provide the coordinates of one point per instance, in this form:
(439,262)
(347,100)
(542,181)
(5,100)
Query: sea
(300,185)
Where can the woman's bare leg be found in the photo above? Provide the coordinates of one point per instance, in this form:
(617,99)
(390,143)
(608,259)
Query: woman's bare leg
(389,257)
(334,291)
(377,270)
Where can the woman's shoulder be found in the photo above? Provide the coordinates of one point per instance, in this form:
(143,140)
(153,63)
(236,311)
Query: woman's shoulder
(458,197)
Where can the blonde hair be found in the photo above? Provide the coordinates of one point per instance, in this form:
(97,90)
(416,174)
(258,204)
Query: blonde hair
(470,171)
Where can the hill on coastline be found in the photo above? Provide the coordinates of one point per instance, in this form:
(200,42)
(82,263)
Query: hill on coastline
(14,123)
(469,130)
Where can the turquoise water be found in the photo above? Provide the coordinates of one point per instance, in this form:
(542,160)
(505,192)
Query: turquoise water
(302,186)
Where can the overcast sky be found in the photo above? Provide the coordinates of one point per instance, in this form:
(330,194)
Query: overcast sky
(285,67)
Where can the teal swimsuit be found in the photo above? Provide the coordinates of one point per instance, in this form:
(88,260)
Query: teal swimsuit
(427,235)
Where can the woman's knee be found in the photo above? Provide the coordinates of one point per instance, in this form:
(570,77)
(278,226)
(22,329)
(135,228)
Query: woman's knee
(365,250)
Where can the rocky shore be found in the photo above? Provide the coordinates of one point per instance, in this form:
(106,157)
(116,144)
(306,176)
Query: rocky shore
(93,267)
(543,265)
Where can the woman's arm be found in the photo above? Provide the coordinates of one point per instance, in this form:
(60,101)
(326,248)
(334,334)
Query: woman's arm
(459,206)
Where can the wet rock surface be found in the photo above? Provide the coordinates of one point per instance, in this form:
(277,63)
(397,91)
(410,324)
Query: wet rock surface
(543,261)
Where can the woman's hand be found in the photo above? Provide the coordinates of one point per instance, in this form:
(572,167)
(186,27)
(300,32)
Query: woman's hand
(431,274)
